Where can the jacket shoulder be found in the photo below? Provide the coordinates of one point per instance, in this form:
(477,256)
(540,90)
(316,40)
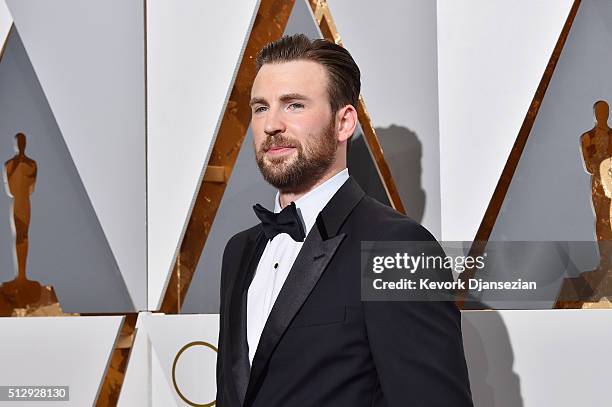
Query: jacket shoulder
(237,243)
(388,224)
(241,237)
(232,253)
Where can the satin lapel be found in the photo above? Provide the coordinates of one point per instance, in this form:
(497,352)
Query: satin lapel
(306,271)
(238,334)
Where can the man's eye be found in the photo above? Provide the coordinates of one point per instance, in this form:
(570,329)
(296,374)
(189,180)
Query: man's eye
(294,106)
(259,109)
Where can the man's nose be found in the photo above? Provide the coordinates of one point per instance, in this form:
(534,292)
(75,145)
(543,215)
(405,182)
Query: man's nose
(274,123)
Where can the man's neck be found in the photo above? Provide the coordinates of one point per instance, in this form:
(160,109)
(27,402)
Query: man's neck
(286,198)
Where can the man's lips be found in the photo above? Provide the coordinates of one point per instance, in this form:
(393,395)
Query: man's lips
(279,149)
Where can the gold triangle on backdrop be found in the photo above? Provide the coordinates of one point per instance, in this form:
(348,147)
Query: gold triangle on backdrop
(499,194)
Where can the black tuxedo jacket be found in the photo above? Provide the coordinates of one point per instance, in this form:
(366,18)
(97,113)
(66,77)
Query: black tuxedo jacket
(321,345)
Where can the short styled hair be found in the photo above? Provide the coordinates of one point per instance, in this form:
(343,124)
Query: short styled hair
(344,78)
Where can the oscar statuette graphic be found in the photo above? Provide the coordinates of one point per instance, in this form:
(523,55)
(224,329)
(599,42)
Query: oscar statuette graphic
(21,296)
(593,289)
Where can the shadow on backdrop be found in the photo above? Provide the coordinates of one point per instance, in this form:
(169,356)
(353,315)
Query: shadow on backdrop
(361,167)
(404,154)
(490,363)
(403,151)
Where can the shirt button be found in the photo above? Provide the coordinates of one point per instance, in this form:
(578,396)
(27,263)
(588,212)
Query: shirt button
(275,265)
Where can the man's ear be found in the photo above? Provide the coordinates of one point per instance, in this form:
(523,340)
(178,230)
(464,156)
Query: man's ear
(347,122)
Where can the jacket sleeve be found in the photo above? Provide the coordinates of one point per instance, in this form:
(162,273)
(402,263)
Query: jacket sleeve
(417,347)
(222,328)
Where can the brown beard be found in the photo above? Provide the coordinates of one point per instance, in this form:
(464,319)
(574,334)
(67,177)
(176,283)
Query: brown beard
(295,175)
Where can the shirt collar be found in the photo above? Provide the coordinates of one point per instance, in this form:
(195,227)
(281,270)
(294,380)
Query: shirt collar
(310,204)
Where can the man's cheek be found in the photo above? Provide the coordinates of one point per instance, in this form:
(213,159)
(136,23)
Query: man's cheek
(257,142)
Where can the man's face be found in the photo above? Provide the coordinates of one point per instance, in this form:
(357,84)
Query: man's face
(293,126)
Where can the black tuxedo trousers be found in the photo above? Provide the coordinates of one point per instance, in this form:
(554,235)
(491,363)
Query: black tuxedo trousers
(321,345)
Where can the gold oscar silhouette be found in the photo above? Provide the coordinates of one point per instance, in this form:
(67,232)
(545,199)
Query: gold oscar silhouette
(595,286)
(21,296)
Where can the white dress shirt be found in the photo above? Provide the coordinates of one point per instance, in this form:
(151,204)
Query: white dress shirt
(279,255)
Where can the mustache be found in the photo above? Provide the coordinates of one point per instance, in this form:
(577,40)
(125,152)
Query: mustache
(278,142)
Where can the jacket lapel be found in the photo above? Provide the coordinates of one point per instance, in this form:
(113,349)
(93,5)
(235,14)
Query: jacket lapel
(238,322)
(306,271)
(318,249)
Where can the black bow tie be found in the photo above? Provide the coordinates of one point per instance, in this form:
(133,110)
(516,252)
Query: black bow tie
(286,221)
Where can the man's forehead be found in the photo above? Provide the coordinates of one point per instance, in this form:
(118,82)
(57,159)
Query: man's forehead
(275,79)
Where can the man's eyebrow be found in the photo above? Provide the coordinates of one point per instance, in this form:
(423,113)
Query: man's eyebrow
(257,100)
(293,96)
(284,98)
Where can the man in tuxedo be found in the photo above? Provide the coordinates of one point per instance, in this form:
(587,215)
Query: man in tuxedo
(294,330)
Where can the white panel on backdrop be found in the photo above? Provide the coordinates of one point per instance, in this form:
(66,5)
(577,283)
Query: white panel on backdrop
(199,383)
(193,48)
(89,59)
(6,20)
(136,388)
(491,57)
(58,351)
(159,340)
(538,358)
(394,44)
(161,390)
